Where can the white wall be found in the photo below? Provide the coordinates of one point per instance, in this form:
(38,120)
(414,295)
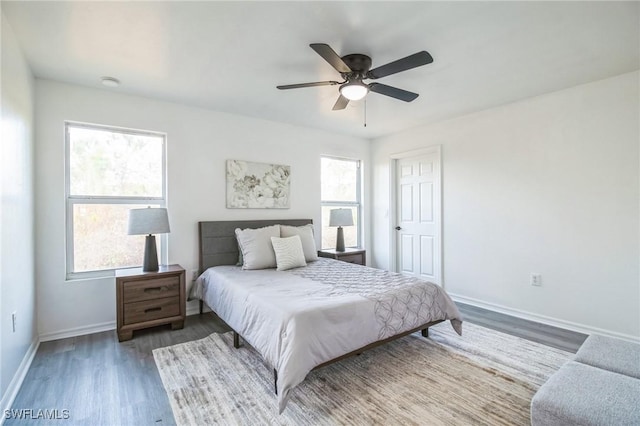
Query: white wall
(199,142)
(547,185)
(17,283)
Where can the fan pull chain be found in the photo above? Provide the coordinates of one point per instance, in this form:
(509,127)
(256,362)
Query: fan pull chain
(365,112)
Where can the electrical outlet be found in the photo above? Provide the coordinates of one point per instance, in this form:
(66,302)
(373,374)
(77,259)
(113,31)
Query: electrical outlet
(14,319)
(536,280)
(194,275)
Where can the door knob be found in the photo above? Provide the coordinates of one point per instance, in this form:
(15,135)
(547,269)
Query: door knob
(398,228)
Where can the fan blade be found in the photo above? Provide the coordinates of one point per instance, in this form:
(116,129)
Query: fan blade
(394,92)
(329,55)
(298,86)
(341,103)
(411,61)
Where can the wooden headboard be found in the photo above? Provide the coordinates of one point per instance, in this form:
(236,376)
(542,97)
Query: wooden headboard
(218,244)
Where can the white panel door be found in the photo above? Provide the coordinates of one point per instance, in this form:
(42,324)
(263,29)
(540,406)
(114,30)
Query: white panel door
(418,247)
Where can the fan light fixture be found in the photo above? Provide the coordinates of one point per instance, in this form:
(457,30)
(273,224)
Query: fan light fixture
(355,67)
(354,90)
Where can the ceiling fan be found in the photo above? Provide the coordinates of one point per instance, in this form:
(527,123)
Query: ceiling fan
(354,69)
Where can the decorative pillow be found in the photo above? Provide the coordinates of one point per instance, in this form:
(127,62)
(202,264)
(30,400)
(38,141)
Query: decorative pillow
(289,252)
(255,244)
(305,233)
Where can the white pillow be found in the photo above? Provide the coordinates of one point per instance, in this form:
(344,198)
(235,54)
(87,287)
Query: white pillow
(255,244)
(305,233)
(289,252)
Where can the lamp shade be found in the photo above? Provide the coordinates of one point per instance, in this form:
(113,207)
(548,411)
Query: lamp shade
(148,221)
(341,217)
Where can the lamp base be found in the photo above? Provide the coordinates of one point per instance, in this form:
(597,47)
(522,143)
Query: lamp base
(340,239)
(150,263)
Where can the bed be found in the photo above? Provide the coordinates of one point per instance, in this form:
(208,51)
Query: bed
(304,318)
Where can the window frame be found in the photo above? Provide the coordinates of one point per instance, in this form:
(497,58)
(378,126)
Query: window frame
(72,200)
(357,204)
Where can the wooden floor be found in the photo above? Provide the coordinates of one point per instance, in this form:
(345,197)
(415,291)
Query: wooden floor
(103,382)
(551,336)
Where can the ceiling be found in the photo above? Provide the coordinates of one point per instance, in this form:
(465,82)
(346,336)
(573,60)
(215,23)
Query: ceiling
(229,56)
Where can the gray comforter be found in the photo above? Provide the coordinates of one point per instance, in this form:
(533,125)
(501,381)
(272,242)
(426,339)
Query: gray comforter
(303,317)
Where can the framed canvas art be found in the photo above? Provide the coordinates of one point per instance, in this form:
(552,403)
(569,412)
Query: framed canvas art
(257,185)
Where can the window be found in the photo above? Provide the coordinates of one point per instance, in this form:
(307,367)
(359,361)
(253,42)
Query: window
(340,188)
(109,171)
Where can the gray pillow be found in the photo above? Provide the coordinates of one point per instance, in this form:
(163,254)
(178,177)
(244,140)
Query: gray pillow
(255,244)
(305,233)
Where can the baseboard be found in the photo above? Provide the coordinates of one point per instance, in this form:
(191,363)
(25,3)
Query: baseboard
(555,322)
(195,310)
(78,331)
(96,328)
(15,384)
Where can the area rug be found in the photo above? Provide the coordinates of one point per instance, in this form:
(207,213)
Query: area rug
(482,378)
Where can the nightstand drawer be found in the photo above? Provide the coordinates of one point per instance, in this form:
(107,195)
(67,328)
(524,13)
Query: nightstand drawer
(151,309)
(136,291)
(149,298)
(352,258)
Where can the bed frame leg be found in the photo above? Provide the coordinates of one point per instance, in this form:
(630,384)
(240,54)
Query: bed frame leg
(201,306)
(425,332)
(275,380)
(236,340)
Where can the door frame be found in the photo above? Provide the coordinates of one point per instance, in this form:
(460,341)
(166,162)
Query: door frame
(393,202)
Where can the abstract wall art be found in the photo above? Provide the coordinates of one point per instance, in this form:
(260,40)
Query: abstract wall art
(257,185)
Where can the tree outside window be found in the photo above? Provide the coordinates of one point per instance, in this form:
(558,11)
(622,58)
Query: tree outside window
(108,172)
(340,188)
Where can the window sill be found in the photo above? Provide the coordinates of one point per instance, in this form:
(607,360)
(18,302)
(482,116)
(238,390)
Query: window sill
(91,275)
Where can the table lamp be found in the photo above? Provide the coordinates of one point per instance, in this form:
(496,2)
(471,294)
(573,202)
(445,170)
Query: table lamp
(340,218)
(149,221)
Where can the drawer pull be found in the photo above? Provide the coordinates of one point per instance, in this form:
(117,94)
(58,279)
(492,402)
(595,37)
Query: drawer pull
(153,309)
(153,289)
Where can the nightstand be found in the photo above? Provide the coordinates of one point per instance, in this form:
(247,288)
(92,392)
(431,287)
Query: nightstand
(147,299)
(351,255)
